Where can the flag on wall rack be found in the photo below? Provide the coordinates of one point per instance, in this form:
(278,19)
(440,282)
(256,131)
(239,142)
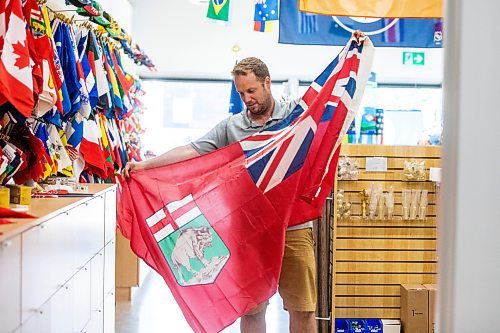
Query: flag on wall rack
(214,226)
(218,10)
(303,28)
(370,8)
(16,80)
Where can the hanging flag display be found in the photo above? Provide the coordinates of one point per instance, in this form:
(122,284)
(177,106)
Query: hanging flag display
(380,8)
(298,27)
(218,10)
(235,103)
(203,224)
(266,11)
(65,98)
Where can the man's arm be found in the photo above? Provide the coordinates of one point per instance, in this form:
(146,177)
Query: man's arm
(177,154)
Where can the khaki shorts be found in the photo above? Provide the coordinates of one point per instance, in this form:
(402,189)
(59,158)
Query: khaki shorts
(297,284)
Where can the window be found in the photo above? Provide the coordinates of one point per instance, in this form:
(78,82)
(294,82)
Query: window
(180,111)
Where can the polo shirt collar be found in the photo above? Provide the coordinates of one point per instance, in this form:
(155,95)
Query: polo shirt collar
(278,114)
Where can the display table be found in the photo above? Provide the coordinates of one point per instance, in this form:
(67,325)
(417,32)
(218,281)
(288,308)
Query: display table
(58,270)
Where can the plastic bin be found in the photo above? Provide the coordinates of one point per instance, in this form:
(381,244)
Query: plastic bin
(341,325)
(357,326)
(373,325)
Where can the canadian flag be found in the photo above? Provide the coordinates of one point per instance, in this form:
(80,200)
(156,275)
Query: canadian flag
(16,81)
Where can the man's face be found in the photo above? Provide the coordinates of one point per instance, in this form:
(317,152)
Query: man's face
(255,94)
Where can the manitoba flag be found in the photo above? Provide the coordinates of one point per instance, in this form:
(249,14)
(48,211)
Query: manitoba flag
(214,226)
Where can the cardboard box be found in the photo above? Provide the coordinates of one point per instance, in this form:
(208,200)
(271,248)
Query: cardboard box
(20,195)
(4,197)
(432,290)
(414,308)
(391,326)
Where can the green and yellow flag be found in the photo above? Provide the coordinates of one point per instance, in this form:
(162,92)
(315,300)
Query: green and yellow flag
(218,10)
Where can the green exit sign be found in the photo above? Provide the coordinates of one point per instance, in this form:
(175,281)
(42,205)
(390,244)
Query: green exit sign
(414,58)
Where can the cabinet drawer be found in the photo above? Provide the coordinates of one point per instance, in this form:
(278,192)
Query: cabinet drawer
(81,299)
(55,316)
(109,312)
(96,324)
(97,280)
(109,267)
(41,275)
(110,216)
(10,283)
(89,218)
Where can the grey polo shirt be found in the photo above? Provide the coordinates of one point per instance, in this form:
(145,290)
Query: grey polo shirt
(238,127)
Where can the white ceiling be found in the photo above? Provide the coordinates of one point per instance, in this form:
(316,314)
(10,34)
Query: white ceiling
(183,43)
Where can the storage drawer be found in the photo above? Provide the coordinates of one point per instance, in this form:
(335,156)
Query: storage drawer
(109,312)
(96,324)
(97,280)
(109,267)
(81,298)
(10,284)
(40,273)
(89,218)
(110,216)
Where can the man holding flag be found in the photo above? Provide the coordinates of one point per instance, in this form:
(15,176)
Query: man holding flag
(280,126)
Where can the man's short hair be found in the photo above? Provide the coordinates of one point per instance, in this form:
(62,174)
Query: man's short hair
(251,64)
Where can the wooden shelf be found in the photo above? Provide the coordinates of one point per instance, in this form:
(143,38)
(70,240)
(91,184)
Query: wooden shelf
(372,257)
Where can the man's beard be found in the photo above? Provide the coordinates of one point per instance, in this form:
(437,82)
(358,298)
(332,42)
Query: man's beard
(263,107)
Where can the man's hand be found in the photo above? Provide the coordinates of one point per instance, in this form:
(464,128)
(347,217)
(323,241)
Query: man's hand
(359,36)
(132,167)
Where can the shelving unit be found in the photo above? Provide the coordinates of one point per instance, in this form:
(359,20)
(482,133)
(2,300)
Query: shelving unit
(373,257)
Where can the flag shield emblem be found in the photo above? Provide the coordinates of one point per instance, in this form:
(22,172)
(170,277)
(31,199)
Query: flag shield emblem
(193,250)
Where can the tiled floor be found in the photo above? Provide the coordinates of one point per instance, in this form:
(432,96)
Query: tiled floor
(154,310)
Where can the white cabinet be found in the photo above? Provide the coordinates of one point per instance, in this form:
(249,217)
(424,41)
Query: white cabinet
(58,276)
(10,283)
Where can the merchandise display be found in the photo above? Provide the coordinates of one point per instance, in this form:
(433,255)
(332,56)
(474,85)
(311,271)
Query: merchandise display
(389,238)
(347,169)
(389,203)
(414,170)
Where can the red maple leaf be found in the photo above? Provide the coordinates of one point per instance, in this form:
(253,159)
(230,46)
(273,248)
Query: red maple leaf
(23,59)
(2,40)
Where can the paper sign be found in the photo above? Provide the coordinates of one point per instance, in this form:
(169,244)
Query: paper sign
(376,164)
(435,174)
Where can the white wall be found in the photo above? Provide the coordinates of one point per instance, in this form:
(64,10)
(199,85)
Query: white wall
(183,43)
(470,216)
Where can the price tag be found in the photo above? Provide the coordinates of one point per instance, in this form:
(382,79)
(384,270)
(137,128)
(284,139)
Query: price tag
(376,164)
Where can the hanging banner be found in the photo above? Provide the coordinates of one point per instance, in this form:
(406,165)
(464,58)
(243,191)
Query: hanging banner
(370,8)
(298,27)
